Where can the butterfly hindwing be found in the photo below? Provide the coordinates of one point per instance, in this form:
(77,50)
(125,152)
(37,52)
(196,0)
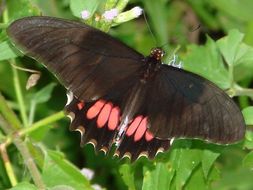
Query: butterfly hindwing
(98,122)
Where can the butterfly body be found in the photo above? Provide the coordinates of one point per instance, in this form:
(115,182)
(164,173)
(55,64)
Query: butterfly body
(118,96)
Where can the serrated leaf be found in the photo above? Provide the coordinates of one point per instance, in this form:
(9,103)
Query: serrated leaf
(208,159)
(24,186)
(77,6)
(58,171)
(6,52)
(127,175)
(244,54)
(206,61)
(197,180)
(248,160)
(44,94)
(248,142)
(159,177)
(184,161)
(230,45)
(248,115)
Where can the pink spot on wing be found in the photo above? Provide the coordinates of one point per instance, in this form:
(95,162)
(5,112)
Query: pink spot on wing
(134,125)
(114,118)
(95,109)
(104,115)
(148,136)
(80,105)
(141,130)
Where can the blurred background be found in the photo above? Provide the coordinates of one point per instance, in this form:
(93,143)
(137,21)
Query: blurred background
(206,35)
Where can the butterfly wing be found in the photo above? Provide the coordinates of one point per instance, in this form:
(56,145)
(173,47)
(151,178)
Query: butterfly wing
(97,121)
(187,105)
(87,61)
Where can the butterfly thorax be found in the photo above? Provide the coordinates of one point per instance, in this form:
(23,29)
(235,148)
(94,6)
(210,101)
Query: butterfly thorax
(153,63)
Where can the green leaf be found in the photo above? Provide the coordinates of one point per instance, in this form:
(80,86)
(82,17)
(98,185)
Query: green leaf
(240,179)
(61,187)
(77,6)
(230,45)
(127,175)
(206,61)
(24,186)
(197,180)
(235,9)
(184,161)
(6,52)
(21,9)
(244,54)
(244,59)
(58,171)
(248,160)
(44,94)
(248,115)
(208,159)
(159,177)
(248,142)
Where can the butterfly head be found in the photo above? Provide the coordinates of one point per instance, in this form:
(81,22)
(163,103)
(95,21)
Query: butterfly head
(157,53)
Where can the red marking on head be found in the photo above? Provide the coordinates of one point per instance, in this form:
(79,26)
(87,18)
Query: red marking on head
(141,129)
(148,136)
(80,105)
(134,125)
(95,109)
(104,115)
(114,118)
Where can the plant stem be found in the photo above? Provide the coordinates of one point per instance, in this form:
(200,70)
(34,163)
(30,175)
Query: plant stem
(231,74)
(29,162)
(24,151)
(41,123)
(32,111)
(239,91)
(24,131)
(7,165)
(19,95)
(3,25)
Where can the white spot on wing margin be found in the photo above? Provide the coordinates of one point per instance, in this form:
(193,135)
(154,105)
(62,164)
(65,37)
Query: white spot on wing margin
(70,97)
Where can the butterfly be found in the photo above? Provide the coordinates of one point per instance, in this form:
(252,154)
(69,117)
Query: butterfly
(117,96)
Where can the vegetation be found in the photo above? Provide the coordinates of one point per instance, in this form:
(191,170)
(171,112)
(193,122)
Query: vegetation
(211,38)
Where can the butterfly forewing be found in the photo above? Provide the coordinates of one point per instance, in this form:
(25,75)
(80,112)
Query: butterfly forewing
(87,61)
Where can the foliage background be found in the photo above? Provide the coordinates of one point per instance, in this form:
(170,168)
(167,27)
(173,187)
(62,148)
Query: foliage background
(38,151)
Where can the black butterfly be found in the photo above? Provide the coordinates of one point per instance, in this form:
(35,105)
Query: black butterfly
(118,96)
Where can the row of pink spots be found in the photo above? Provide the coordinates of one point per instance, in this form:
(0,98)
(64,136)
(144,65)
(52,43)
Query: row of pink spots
(106,113)
(109,114)
(138,128)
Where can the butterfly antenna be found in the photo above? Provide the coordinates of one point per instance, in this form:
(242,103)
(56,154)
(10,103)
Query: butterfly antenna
(194,29)
(149,28)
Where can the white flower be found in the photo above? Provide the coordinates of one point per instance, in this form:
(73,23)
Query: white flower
(85,14)
(111,14)
(137,11)
(88,173)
